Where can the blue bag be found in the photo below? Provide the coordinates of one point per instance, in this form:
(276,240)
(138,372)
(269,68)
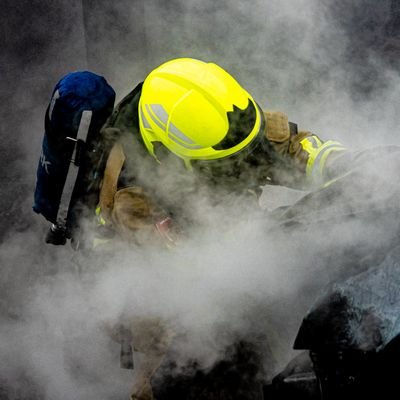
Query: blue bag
(80,104)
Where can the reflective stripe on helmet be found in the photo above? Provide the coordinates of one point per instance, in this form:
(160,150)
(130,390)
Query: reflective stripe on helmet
(174,133)
(145,122)
(158,121)
(173,129)
(318,153)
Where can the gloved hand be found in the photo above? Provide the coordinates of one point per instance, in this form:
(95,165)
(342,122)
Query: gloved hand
(134,215)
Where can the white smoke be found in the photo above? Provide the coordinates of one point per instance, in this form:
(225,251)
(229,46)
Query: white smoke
(233,278)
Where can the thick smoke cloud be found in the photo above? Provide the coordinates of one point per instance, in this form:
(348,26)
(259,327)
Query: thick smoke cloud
(325,65)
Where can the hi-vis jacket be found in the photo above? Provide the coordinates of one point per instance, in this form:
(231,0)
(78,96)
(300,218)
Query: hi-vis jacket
(295,158)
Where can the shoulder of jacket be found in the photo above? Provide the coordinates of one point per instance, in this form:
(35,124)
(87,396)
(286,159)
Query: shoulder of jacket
(277,126)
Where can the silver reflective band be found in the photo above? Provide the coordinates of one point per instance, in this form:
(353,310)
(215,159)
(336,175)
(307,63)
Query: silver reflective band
(145,122)
(56,96)
(320,159)
(173,129)
(158,123)
(186,146)
(160,113)
(173,132)
(72,174)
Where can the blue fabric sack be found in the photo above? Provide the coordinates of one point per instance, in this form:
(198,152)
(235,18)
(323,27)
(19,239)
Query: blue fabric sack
(73,94)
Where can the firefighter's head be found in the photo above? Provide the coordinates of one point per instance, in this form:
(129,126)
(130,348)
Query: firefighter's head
(198,111)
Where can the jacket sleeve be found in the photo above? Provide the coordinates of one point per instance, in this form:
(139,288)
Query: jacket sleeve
(130,211)
(300,158)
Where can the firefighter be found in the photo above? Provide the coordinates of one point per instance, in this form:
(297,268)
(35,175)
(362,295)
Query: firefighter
(190,125)
(190,128)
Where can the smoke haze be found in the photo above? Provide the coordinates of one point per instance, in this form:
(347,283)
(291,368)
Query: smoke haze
(330,68)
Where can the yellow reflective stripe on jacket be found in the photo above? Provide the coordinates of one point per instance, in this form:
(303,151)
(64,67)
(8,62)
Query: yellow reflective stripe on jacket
(318,154)
(100,219)
(99,242)
(311,144)
(328,183)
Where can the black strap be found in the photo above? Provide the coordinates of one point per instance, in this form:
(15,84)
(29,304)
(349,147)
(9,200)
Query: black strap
(293,129)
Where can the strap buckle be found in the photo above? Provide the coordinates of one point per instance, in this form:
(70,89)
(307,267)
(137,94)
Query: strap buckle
(79,147)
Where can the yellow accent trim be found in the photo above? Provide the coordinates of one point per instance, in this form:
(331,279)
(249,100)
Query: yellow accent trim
(100,219)
(312,151)
(188,164)
(98,242)
(325,148)
(326,184)
(325,156)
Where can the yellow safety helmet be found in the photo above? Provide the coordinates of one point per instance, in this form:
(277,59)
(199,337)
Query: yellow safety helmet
(197,110)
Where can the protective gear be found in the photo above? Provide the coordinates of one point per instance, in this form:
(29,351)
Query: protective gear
(129,210)
(135,218)
(80,104)
(197,111)
(318,155)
